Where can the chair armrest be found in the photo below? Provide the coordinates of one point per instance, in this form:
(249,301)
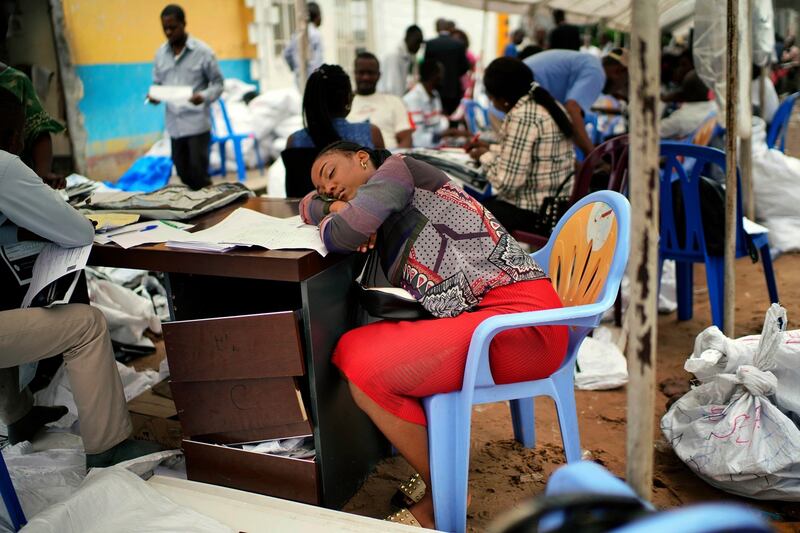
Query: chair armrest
(478,356)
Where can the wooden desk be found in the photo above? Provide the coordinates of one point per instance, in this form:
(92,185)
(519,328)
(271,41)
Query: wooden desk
(250,281)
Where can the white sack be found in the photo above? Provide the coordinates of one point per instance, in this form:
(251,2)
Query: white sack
(601,364)
(776,186)
(114,499)
(128,314)
(729,432)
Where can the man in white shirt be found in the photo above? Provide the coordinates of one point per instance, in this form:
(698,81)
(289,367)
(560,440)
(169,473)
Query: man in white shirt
(316,56)
(30,210)
(400,68)
(386,111)
(425,106)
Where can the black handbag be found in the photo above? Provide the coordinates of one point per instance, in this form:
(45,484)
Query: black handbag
(552,209)
(385,302)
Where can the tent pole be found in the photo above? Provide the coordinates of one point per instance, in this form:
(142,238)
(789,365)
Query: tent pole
(731,84)
(484,31)
(301,22)
(416,11)
(642,315)
(746,142)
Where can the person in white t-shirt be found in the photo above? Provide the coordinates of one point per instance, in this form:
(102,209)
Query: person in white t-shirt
(771,101)
(425,108)
(385,111)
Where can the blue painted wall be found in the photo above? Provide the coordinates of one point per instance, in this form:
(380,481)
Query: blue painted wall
(113,99)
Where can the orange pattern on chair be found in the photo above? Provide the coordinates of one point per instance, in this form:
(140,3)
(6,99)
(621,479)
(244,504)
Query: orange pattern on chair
(582,254)
(703,134)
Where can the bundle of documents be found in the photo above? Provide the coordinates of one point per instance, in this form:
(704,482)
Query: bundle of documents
(245,227)
(149,232)
(55,274)
(111,221)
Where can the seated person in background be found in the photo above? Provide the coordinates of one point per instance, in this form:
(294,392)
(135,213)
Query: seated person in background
(576,80)
(693,112)
(533,158)
(386,111)
(29,210)
(326,102)
(38,151)
(425,108)
(391,365)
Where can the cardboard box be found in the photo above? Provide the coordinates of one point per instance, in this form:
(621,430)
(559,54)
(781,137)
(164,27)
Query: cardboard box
(155,419)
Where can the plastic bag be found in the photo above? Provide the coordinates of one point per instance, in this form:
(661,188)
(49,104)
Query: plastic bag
(776,185)
(601,365)
(114,499)
(729,431)
(710,50)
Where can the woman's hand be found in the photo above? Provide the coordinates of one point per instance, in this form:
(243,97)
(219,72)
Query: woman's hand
(476,152)
(369,245)
(336,206)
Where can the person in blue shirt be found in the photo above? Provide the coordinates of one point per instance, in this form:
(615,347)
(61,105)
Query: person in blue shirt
(184,60)
(576,80)
(512,48)
(32,211)
(326,102)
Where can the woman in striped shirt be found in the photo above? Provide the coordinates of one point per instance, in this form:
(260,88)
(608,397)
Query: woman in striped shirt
(534,157)
(442,246)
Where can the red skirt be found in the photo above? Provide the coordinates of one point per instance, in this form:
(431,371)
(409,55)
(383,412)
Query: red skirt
(398,362)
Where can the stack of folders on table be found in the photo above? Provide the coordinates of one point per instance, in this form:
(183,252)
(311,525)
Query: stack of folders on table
(201,246)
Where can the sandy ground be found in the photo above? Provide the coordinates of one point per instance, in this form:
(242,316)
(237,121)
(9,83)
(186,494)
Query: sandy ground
(498,464)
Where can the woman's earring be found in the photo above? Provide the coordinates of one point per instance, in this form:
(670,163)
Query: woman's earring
(364,165)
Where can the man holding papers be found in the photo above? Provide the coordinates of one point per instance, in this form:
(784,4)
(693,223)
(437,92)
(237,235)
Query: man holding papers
(30,210)
(188,67)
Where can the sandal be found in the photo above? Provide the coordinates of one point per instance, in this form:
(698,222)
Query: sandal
(404,516)
(409,492)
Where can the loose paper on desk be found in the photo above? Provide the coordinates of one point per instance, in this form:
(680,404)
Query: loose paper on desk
(245,227)
(53,264)
(170,93)
(110,221)
(138,234)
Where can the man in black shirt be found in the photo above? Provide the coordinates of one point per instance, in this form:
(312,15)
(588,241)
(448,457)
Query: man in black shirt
(452,54)
(566,36)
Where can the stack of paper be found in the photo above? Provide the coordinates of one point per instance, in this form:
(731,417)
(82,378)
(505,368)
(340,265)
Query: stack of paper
(201,246)
(111,221)
(149,232)
(245,227)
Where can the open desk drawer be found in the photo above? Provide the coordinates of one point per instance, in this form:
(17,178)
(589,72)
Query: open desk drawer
(272,475)
(234,380)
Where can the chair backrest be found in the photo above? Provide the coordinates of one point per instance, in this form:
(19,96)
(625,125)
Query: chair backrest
(588,250)
(613,152)
(224,112)
(471,111)
(779,126)
(298,162)
(686,164)
(702,135)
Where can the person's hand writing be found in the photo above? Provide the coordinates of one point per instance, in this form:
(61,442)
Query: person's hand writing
(476,152)
(55,181)
(369,245)
(197,99)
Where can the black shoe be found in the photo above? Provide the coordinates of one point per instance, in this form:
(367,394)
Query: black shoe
(27,426)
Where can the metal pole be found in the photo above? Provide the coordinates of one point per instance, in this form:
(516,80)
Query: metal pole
(301,22)
(416,12)
(642,315)
(484,31)
(731,84)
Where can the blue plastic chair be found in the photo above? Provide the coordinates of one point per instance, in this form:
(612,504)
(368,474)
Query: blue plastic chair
(471,111)
(779,126)
(586,292)
(220,140)
(10,497)
(588,478)
(686,163)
